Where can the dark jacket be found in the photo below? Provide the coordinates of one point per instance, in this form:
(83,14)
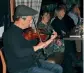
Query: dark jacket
(18,51)
(59,26)
(66,25)
(69,22)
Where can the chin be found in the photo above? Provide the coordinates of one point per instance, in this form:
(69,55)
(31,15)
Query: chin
(26,27)
(62,17)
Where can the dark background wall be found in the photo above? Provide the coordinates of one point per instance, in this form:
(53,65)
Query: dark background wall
(68,2)
(4,13)
(45,2)
(4,19)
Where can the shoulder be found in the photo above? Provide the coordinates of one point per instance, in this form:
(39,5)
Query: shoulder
(40,25)
(8,32)
(67,18)
(54,22)
(72,15)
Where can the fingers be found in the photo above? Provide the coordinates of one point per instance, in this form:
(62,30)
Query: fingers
(59,43)
(54,35)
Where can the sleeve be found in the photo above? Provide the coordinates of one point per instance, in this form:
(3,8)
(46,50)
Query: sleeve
(55,27)
(69,23)
(43,29)
(22,52)
(22,48)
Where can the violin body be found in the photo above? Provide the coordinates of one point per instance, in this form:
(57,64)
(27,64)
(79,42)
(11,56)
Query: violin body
(31,35)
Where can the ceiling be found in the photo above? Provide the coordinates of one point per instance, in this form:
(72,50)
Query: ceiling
(45,2)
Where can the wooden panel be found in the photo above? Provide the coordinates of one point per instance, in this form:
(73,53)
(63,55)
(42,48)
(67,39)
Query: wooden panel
(12,8)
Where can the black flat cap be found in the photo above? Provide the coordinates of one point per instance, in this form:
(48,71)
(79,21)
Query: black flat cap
(22,10)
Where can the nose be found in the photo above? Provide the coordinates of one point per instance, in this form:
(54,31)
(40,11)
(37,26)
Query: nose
(63,13)
(31,21)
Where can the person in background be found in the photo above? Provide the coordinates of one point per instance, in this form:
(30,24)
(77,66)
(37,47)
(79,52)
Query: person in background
(45,25)
(74,13)
(63,25)
(62,21)
(58,23)
(19,52)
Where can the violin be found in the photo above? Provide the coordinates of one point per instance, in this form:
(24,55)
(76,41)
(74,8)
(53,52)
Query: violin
(29,34)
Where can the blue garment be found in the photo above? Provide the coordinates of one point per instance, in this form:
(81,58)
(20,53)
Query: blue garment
(45,67)
(75,18)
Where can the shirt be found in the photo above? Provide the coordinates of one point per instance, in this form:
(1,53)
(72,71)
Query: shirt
(18,51)
(75,18)
(59,26)
(46,27)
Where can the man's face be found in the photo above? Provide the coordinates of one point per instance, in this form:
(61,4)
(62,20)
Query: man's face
(76,10)
(28,21)
(61,13)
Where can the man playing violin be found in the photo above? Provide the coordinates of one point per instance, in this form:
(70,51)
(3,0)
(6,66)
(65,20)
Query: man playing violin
(19,52)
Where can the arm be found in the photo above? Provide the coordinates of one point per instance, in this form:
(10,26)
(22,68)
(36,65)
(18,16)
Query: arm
(53,36)
(45,44)
(20,46)
(22,51)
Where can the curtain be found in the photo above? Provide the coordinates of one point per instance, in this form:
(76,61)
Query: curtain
(35,4)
